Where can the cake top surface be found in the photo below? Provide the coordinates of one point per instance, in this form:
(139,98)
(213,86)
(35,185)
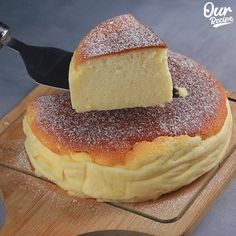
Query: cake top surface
(202,113)
(116,35)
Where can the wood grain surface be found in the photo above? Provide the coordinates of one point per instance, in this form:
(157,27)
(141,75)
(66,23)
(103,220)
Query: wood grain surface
(38,207)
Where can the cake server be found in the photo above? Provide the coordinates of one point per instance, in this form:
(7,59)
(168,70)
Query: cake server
(46,65)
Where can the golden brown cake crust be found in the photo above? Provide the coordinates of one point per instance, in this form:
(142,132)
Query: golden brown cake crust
(114,133)
(116,35)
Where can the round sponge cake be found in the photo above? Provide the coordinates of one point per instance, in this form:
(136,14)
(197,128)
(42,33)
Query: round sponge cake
(133,154)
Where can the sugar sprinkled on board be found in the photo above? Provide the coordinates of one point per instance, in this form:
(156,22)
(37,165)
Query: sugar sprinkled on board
(13,153)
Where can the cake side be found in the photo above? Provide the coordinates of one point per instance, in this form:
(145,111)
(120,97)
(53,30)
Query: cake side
(139,78)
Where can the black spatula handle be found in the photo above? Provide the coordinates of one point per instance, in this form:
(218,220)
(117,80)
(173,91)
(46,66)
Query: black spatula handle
(5,34)
(46,65)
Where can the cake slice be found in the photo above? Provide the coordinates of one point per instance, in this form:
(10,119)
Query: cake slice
(121,63)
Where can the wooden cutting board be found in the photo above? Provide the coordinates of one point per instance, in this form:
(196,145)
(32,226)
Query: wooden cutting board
(38,207)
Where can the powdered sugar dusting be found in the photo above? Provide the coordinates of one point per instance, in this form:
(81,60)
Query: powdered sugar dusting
(201,112)
(13,153)
(116,35)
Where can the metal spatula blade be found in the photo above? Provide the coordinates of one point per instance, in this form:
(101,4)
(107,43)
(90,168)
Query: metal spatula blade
(46,65)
